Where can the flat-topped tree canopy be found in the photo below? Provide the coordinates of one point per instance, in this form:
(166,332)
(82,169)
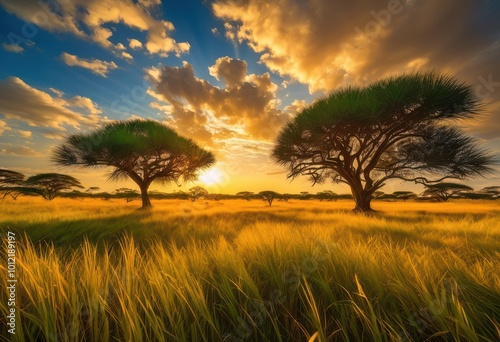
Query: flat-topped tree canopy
(48,185)
(143,150)
(399,127)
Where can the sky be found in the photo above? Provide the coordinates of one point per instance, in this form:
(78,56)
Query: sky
(226,73)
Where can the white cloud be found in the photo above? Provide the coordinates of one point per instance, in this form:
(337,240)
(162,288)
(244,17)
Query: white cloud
(96,66)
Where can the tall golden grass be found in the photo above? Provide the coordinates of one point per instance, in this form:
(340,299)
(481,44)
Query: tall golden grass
(240,271)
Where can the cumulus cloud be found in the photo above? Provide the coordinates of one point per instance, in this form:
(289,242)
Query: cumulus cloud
(127,56)
(327,44)
(245,107)
(231,71)
(90,20)
(134,44)
(20,101)
(95,66)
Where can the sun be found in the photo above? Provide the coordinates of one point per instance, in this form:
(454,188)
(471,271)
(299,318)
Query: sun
(211,176)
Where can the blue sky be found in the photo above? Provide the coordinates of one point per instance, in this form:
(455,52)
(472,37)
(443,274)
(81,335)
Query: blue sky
(71,66)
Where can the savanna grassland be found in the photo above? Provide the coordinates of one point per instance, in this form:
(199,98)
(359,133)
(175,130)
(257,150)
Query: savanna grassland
(242,271)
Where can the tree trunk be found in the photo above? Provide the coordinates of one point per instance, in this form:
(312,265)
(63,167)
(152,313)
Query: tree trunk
(146,203)
(362,200)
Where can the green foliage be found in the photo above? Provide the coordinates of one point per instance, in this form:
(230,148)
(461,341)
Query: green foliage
(399,127)
(142,150)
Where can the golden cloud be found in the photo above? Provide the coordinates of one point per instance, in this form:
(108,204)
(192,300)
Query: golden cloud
(96,66)
(20,101)
(245,107)
(326,44)
(81,16)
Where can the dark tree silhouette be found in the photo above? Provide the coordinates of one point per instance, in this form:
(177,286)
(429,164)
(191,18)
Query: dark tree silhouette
(444,191)
(48,185)
(128,194)
(491,192)
(398,127)
(92,189)
(197,192)
(245,194)
(326,195)
(404,195)
(142,150)
(11,183)
(269,196)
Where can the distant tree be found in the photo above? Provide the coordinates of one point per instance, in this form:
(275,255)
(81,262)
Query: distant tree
(268,196)
(48,185)
(326,195)
(492,192)
(284,197)
(197,192)
(404,195)
(245,194)
(142,150)
(396,128)
(444,191)
(92,189)
(306,195)
(128,194)
(11,183)
(378,194)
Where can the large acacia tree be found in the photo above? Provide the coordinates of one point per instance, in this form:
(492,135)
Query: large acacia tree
(397,128)
(142,150)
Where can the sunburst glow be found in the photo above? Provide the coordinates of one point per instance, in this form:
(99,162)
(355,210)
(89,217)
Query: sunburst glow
(211,176)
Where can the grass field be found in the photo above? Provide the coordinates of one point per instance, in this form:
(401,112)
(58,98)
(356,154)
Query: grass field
(242,271)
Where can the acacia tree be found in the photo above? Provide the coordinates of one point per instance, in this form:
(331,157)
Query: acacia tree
(92,189)
(48,185)
(142,150)
(444,191)
(11,183)
(399,127)
(245,194)
(197,192)
(404,195)
(491,192)
(326,195)
(268,196)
